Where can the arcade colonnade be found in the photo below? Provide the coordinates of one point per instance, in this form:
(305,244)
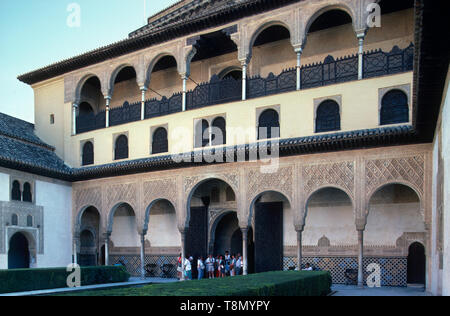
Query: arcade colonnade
(297,19)
(359,176)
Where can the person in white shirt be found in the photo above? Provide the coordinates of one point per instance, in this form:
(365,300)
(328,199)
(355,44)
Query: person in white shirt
(210,266)
(187,269)
(308,268)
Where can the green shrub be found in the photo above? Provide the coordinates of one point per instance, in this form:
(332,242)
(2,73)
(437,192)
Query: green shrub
(289,283)
(22,280)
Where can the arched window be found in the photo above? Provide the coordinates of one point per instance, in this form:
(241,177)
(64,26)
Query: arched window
(88,154)
(215,195)
(14,220)
(394,108)
(219,124)
(201,134)
(121,149)
(16,195)
(160,143)
(27,196)
(328,117)
(29,221)
(269,125)
(231,197)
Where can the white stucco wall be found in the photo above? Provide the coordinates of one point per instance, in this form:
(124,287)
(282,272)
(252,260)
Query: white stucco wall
(388,222)
(125,232)
(57,202)
(4,187)
(436,278)
(446,155)
(337,223)
(163,230)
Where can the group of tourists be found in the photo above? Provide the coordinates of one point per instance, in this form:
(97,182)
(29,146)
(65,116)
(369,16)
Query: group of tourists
(211,267)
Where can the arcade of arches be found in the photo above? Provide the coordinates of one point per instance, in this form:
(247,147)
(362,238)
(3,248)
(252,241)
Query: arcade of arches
(338,214)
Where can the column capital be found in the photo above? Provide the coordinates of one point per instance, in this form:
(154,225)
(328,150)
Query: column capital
(361,224)
(298,49)
(244,61)
(361,34)
(299,228)
(184,76)
(143,88)
(75,105)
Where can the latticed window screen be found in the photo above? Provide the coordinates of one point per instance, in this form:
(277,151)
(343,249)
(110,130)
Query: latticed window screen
(27,195)
(14,220)
(121,150)
(328,117)
(88,154)
(217,139)
(394,108)
(160,143)
(29,221)
(16,195)
(201,134)
(269,125)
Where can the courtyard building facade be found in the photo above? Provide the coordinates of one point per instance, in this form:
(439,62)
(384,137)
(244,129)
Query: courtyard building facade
(291,132)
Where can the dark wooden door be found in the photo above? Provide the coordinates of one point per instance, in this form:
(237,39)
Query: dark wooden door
(268,237)
(416,264)
(196,243)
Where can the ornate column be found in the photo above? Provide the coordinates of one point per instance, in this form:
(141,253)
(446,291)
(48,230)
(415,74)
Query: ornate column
(299,51)
(360,258)
(143,254)
(184,78)
(143,91)
(245,250)
(108,100)
(244,79)
(107,236)
(76,244)
(361,37)
(183,252)
(299,249)
(74,118)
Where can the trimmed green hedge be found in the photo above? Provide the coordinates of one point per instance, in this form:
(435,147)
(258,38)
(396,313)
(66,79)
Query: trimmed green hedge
(289,283)
(23,280)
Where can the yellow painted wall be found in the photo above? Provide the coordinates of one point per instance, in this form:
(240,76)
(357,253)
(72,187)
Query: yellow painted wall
(360,103)
(48,100)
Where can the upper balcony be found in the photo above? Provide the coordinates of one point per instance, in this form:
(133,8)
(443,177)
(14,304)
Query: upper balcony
(216,74)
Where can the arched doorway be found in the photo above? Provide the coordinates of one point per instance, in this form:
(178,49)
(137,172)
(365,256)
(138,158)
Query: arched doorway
(416,264)
(206,200)
(228,235)
(88,254)
(89,228)
(19,253)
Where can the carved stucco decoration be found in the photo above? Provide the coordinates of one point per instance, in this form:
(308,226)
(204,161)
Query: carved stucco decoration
(160,189)
(406,170)
(121,193)
(88,197)
(340,175)
(231,178)
(281,181)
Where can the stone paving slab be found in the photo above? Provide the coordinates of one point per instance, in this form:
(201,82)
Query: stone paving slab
(131,282)
(344,290)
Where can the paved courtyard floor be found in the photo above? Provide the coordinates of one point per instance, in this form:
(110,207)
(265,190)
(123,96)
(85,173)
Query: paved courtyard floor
(346,290)
(131,282)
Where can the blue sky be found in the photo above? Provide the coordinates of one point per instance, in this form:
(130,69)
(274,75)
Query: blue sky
(34,34)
